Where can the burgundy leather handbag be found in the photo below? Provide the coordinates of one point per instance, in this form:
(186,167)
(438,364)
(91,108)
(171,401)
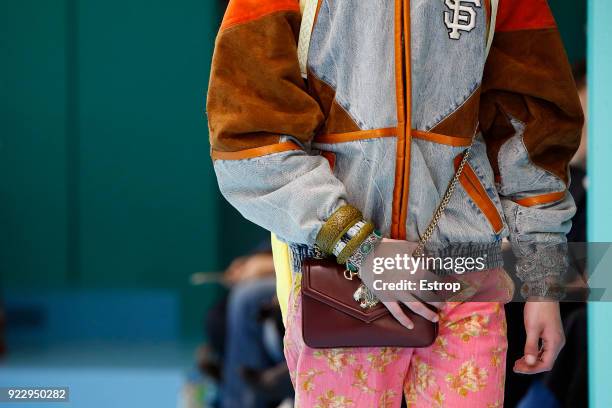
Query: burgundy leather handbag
(332,318)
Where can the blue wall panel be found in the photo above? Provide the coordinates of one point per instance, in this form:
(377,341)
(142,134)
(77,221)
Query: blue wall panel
(600,194)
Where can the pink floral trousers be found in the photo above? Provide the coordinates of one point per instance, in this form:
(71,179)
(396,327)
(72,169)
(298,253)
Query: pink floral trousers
(465,367)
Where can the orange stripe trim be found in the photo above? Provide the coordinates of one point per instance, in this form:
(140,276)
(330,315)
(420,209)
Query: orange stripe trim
(401,125)
(408,120)
(243,11)
(255,152)
(472,185)
(442,139)
(541,199)
(358,135)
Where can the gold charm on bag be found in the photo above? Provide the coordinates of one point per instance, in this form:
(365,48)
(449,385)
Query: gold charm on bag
(364,296)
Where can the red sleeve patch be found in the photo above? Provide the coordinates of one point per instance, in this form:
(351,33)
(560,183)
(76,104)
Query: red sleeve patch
(243,11)
(515,15)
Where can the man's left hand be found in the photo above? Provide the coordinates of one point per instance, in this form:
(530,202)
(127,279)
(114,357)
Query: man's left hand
(542,322)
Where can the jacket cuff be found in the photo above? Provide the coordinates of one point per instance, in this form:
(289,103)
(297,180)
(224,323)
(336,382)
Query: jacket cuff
(542,271)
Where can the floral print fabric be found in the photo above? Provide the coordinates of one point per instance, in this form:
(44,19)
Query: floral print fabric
(465,367)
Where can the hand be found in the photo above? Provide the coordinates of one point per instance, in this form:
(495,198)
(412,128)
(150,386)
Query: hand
(250,267)
(415,305)
(542,321)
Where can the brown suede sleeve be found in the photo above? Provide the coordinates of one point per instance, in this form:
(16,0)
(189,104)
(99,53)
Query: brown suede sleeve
(256,92)
(527,77)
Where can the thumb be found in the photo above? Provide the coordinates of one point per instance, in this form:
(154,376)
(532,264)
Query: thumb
(531,347)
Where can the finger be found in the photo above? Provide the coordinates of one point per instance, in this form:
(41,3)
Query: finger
(552,345)
(396,311)
(531,346)
(522,367)
(556,339)
(422,310)
(529,363)
(393,240)
(430,300)
(437,305)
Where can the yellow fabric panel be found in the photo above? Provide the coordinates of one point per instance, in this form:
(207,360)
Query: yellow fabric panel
(282,266)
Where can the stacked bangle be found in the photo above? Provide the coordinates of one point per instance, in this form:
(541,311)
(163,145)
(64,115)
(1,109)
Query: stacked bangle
(336,226)
(343,233)
(353,243)
(350,234)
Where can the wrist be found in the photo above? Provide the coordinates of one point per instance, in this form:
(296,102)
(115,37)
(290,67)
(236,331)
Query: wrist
(540,299)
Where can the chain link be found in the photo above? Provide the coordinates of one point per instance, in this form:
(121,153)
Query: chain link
(420,249)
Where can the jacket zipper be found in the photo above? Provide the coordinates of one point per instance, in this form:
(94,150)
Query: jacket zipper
(403,94)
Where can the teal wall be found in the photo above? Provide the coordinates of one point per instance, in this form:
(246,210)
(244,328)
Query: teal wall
(105,175)
(33,154)
(600,196)
(571,16)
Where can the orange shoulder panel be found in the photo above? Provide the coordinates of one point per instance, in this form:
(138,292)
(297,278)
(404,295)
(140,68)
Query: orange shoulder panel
(243,11)
(515,15)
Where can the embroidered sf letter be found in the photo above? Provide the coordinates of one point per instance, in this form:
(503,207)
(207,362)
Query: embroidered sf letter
(461,17)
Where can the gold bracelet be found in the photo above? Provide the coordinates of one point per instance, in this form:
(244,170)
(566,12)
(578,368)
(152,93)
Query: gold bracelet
(335,225)
(354,243)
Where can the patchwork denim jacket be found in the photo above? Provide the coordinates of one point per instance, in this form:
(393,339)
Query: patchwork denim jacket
(395,92)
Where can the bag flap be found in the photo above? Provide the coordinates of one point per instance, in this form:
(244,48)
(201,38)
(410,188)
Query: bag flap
(324,281)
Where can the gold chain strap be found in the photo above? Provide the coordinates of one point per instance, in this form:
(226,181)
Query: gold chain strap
(363,295)
(420,250)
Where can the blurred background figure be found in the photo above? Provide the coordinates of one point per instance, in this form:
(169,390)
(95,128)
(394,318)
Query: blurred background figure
(245,353)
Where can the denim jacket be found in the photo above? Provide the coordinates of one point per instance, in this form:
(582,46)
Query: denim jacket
(395,91)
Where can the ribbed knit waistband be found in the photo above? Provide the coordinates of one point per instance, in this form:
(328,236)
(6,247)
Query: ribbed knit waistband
(489,253)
